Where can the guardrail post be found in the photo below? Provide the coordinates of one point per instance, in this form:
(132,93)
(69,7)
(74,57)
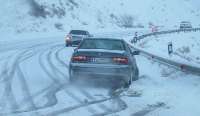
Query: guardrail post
(135,38)
(170,48)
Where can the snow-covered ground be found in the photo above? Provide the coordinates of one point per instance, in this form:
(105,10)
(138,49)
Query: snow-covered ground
(34,81)
(186,47)
(34,60)
(165,92)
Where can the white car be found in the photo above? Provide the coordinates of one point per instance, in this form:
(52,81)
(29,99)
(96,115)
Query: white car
(185,25)
(75,37)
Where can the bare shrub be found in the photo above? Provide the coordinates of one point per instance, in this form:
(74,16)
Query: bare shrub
(43,11)
(74,3)
(58,11)
(125,21)
(38,10)
(59,26)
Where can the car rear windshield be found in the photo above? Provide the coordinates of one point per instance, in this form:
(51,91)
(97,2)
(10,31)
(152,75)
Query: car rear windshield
(102,44)
(78,32)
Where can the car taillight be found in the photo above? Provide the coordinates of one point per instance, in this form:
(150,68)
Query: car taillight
(79,58)
(121,60)
(68,38)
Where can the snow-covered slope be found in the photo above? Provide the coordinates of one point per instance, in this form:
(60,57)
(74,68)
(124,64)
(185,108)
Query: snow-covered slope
(186,46)
(21,16)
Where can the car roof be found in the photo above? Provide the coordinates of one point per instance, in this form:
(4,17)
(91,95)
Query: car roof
(79,30)
(185,22)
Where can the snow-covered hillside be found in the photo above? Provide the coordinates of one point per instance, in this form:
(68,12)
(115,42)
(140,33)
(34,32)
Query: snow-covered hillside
(21,16)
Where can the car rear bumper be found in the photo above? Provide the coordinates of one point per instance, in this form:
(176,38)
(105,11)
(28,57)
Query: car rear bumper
(77,42)
(73,42)
(100,71)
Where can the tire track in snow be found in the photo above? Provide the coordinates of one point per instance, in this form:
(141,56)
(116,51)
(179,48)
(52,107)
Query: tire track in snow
(68,109)
(60,60)
(8,95)
(39,92)
(15,68)
(50,95)
(58,73)
(102,106)
(23,83)
(117,102)
(148,109)
(55,87)
(53,76)
(86,94)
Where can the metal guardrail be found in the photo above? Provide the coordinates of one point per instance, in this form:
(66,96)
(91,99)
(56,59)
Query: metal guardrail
(181,66)
(168,32)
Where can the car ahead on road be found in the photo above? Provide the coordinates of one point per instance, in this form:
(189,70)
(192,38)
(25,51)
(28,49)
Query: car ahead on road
(185,25)
(104,58)
(75,37)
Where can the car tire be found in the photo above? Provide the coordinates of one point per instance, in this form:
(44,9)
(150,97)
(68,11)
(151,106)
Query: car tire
(68,45)
(72,78)
(128,84)
(136,76)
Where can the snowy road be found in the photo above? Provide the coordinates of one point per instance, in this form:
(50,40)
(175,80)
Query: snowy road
(34,82)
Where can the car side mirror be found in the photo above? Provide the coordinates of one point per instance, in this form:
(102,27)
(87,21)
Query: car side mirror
(135,52)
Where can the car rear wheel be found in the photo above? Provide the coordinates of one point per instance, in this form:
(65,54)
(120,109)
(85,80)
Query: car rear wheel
(131,79)
(72,78)
(128,84)
(136,76)
(68,45)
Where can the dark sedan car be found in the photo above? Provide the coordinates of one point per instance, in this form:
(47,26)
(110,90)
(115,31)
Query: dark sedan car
(75,37)
(104,58)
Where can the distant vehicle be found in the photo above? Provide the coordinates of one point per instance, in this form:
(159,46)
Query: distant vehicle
(104,58)
(75,37)
(185,25)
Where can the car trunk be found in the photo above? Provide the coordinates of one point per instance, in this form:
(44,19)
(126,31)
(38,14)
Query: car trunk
(100,56)
(77,37)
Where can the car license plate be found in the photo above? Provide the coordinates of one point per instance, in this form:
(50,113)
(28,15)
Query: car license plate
(101,60)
